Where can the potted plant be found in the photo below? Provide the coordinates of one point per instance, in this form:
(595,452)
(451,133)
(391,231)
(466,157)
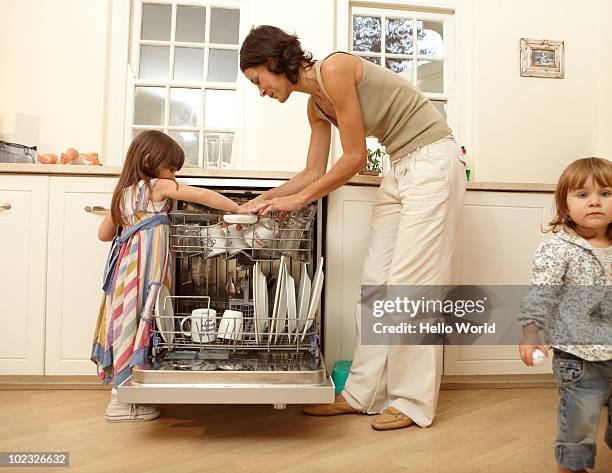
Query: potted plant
(373,163)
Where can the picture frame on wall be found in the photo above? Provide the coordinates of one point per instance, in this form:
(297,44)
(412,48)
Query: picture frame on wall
(542,58)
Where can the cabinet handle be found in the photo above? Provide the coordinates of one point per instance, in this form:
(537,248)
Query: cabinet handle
(5,206)
(96,208)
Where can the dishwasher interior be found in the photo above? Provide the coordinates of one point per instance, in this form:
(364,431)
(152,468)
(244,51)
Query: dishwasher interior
(242,322)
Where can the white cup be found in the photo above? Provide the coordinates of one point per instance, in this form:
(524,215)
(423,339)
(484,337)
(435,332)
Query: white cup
(203,325)
(214,239)
(230,327)
(235,238)
(260,236)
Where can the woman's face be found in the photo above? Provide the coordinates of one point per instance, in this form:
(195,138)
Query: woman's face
(276,86)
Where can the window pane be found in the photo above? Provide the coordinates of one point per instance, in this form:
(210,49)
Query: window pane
(184,107)
(398,37)
(430,38)
(441,106)
(402,66)
(222,65)
(430,76)
(190,23)
(220,109)
(224,26)
(366,33)
(189,64)
(154,62)
(219,150)
(190,142)
(374,59)
(149,106)
(156,21)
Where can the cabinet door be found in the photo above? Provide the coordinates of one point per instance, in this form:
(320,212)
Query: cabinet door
(501,231)
(347,234)
(23,239)
(75,267)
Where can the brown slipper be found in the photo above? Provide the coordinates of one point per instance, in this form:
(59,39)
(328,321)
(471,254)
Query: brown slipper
(334,409)
(391,419)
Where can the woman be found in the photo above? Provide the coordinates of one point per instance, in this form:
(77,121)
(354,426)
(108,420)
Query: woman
(416,215)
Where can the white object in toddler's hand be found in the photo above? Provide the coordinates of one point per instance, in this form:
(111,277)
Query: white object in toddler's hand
(538,357)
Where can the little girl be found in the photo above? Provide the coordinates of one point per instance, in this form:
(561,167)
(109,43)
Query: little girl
(569,301)
(139,261)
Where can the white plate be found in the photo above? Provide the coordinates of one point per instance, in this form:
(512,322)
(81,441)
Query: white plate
(256,303)
(281,314)
(277,297)
(164,314)
(243,219)
(303,298)
(264,311)
(291,305)
(317,286)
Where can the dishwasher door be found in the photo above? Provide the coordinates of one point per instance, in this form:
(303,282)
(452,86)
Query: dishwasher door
(261,366)
(228,387)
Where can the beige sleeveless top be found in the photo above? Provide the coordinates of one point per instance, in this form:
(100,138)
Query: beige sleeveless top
(394,111)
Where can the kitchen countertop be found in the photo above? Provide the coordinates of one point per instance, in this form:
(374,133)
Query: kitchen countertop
(83,170)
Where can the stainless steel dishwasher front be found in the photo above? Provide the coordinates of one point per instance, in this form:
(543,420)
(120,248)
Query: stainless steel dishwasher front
(242,323)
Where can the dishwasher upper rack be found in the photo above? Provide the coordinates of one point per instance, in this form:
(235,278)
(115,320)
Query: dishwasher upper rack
(202,231)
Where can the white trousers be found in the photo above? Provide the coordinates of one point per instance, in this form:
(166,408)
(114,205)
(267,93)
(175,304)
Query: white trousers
(414,231)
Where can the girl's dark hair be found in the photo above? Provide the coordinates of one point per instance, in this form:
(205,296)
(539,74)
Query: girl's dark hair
(265,43)
(573,177)
(149,153)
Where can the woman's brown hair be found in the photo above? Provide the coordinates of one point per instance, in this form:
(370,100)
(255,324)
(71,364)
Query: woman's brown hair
(574,177)
(281,51)
(149,153)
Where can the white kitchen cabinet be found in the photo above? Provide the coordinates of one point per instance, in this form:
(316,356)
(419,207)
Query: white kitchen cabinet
(500,232)
(74,271)
(347,233)
(23,239)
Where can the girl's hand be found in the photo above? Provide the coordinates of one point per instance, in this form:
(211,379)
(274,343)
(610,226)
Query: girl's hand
(527,345)
(289,203)
(248,206)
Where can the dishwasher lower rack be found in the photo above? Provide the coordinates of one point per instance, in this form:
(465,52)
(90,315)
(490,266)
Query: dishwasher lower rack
(254,368)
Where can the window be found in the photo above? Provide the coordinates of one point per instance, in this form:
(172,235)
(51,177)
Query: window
(184,72)
(414,44)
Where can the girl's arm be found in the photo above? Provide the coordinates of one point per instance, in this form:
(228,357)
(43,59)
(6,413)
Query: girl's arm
(167,188)
(316,161)
(107,229)
(549,267)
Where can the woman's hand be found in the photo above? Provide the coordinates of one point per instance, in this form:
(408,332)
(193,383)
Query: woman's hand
(248,206)
(289,203)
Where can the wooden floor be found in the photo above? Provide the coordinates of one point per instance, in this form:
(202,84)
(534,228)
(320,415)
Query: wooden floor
(476,430)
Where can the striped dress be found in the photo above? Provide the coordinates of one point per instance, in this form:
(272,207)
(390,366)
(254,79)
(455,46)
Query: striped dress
(125,320)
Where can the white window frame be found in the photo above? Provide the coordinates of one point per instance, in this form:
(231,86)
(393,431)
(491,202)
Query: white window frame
(122,80)
(459,55)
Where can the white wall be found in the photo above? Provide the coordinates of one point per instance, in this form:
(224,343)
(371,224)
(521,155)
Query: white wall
(54,82)
(604,48)
(528,129)
(52,85)
(278,134)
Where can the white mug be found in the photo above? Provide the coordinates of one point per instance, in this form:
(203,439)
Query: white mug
(214,239)
(203,325)
(230,327)
(260,236)
(235,238)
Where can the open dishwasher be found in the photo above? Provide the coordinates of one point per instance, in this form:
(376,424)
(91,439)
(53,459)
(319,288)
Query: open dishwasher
(242,324)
